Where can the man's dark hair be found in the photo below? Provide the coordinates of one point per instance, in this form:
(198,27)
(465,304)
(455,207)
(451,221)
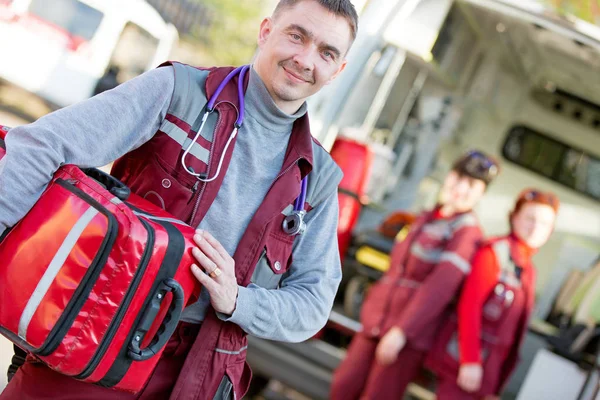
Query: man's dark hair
(342,8)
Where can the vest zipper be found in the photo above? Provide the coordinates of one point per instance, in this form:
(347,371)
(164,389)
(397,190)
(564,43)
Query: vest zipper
(212,148)
(194,190)
(286,170)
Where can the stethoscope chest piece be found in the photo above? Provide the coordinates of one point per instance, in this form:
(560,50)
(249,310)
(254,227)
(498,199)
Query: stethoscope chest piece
(294,223)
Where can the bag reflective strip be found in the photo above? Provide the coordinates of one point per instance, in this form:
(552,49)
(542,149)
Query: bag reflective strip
(55,265)
(152,217)
(180,136)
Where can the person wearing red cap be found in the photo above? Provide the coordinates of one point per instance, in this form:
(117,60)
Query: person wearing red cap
(403,310)
(475,354)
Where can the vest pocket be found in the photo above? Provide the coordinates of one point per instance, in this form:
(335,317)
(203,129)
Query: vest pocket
(279,252)
(263,275)
(274,261)
(162,186)
(225,390)
(235,382)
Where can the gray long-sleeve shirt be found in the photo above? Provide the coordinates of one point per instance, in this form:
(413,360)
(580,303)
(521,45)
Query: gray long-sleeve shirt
(101,129)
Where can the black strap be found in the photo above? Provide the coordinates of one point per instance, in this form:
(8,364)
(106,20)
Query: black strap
(349,193)
(518,271)
(2,145)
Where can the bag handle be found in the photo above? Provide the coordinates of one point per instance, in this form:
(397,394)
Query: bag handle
(112,184)
(167,327)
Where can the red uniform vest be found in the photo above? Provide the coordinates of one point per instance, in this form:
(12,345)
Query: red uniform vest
(505,315)
(426,270)
(154,171)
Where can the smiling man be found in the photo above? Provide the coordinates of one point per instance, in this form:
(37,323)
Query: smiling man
(235,174)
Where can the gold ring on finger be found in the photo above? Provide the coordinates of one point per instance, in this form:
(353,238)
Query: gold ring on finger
(215,272)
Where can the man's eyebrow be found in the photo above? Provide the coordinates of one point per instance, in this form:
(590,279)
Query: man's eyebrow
(301,29)
(310,36)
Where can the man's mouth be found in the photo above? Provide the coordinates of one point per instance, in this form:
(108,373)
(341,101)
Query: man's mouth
(295,77)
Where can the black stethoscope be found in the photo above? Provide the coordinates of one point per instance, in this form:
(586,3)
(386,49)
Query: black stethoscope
(294,223)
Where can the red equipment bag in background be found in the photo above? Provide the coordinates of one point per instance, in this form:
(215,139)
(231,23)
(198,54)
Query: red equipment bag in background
(93,279)
(355,160)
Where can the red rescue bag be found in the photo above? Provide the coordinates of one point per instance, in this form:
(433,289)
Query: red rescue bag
(93,279)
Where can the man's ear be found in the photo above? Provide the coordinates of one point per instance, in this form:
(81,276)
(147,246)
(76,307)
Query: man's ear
(339,71)
(266,28)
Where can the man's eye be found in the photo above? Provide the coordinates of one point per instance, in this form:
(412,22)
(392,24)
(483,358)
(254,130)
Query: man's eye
(296,37)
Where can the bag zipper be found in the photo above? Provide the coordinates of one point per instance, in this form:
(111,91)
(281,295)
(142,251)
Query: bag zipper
(118,318)
(168,269)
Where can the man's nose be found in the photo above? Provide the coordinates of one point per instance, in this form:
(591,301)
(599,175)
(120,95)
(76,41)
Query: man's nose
(305,59)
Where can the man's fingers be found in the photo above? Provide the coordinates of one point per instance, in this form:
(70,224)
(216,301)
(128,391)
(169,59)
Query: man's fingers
(208,249)
(206,263)
(215,244)
(205,280)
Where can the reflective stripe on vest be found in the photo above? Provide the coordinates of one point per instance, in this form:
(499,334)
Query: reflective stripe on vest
(508,268)
(186,111)
(229,352)
(181,137)
(445,229)
(436,256)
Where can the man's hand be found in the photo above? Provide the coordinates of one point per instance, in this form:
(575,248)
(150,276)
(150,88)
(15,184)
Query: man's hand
(469,377)
(389,346)
(219,278)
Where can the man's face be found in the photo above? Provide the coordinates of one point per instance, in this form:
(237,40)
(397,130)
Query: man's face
(301,50)
(460,192)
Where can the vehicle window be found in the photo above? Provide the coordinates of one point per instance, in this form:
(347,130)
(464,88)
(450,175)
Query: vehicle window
(134,51)
(553,159)
(77,18)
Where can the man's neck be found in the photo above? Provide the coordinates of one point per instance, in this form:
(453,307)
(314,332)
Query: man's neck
(288,107)
(261,106)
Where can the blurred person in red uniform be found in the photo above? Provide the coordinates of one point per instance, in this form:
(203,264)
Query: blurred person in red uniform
(494,306)
(403,309)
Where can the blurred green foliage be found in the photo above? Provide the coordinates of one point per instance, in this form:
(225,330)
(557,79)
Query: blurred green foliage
(588,10)
(231,37)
